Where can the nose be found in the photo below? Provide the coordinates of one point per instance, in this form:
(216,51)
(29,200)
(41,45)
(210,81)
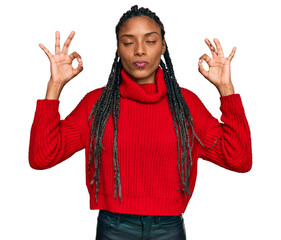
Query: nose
(140,49)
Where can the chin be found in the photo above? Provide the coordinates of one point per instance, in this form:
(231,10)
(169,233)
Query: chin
(141,74)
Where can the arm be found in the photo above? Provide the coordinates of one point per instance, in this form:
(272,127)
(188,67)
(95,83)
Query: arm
(233,150)
(53,140)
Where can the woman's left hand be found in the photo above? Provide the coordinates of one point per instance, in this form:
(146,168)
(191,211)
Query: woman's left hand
(219,68)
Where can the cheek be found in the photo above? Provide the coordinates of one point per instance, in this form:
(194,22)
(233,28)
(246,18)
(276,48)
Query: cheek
(158,51)
(157,54)
(124,55)
(125,61)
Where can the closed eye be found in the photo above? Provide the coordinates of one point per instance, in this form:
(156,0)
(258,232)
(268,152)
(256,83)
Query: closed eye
(132,43)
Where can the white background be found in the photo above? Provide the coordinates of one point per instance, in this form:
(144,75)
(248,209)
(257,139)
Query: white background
(54,203)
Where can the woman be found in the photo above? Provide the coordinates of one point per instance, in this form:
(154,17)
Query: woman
(143,120)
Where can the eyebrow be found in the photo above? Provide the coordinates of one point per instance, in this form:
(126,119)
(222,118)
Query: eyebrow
(130,35)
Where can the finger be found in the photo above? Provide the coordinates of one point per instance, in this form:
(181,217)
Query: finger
(202,70)
(212,48)
(219,48)
(77,70)
(75,55)
(231,55)
(67,42)
(57,47)
(205,58)
(49,55)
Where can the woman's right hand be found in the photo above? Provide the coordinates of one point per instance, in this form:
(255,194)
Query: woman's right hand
(61,63)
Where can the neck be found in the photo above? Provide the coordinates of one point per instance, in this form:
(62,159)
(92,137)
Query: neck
(145,92)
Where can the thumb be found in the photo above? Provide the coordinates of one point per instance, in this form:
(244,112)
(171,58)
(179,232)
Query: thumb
(202,70)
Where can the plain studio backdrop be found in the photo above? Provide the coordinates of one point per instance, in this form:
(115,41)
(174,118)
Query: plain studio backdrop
(54,203)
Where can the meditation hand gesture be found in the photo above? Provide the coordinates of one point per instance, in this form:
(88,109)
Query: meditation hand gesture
(61,64)
(219,68)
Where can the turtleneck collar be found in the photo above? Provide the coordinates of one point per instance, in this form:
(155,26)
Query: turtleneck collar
(146,93)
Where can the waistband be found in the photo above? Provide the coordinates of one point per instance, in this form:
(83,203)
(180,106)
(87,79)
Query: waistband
(136,216)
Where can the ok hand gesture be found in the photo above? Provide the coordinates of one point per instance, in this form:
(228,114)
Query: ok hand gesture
(219,68)
(61,63)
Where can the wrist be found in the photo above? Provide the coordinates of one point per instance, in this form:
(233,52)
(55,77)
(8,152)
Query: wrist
(226,90)
(53,90)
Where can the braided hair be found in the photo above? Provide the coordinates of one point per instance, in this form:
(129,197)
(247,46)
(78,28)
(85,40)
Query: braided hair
(108,103)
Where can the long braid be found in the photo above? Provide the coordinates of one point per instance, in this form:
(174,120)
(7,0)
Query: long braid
(101,111)
(109,101)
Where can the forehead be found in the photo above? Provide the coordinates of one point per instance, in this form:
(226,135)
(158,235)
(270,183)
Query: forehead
(139,25)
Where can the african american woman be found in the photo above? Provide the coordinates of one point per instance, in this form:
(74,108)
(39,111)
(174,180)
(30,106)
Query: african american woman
(141,131)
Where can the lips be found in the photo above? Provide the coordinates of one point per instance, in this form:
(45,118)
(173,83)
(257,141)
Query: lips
(140,64)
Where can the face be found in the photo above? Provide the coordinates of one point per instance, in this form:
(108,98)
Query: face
(140,47)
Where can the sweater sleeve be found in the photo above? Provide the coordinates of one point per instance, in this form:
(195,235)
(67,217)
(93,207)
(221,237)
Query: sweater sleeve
(53,140)
(233,149)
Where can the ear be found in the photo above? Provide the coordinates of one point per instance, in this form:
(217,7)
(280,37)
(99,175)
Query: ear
(118,53)
(117,49)
(163,47)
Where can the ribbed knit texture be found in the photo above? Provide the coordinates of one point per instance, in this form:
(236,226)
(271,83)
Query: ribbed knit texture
(147,145)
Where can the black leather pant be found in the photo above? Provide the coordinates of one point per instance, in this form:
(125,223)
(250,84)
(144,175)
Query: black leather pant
(119,226)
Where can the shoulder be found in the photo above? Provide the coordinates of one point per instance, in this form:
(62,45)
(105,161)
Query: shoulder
(190,97)
(90,98)
(195,105)
(94,93)
(187,92)
(200,114)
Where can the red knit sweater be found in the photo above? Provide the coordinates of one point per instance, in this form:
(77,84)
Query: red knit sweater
(147,145)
